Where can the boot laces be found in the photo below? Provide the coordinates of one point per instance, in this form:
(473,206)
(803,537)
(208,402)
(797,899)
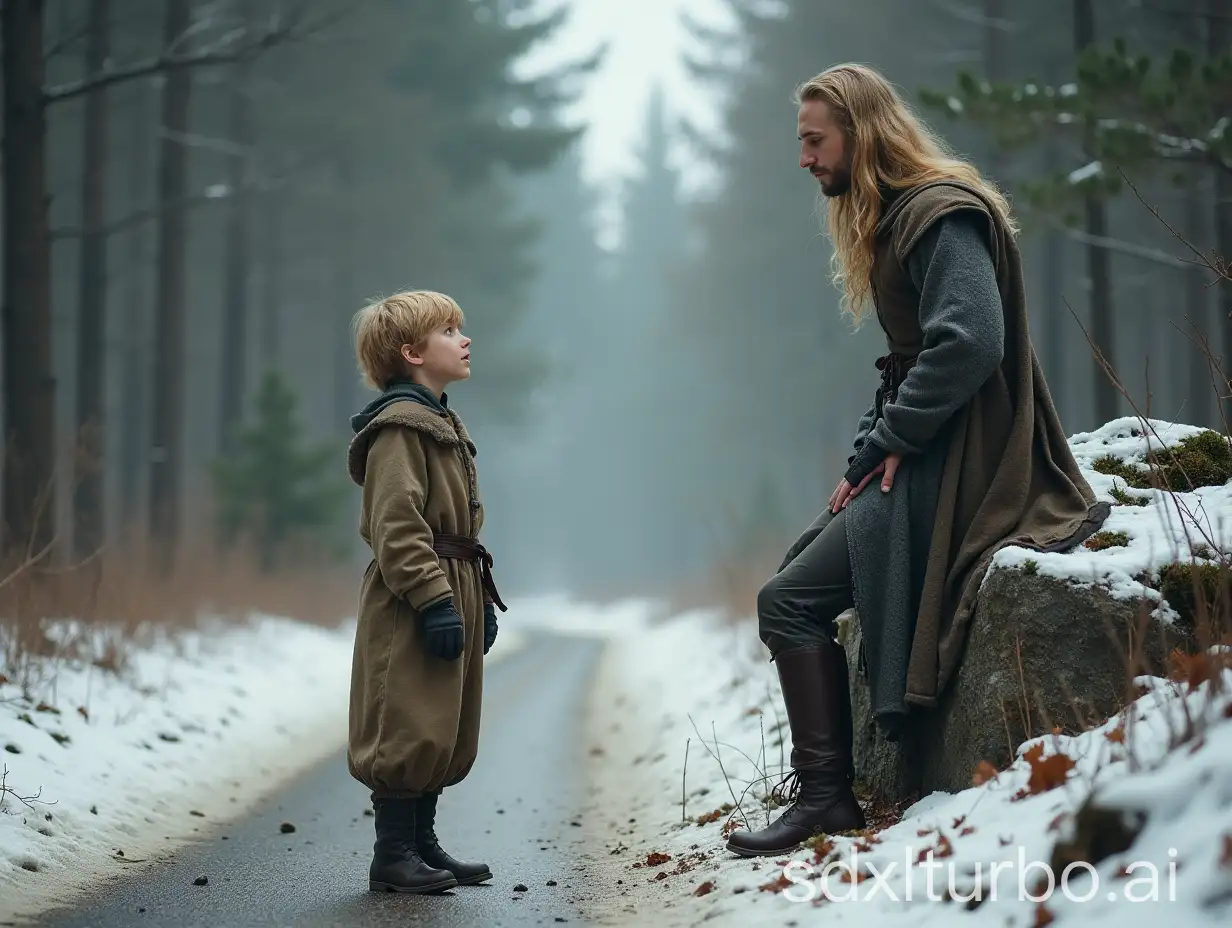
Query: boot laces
(787,789)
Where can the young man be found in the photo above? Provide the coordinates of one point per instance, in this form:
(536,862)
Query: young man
(962,439)
(427,605)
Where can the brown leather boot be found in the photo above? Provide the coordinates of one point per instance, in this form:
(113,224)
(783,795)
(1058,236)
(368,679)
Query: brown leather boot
(819,713)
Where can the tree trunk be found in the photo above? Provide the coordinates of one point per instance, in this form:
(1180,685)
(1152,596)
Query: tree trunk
(29,384)
(89,517)
(1218,39)
(235,290)
(344,358)
(1199,402)
(134,400)
(994,50)
(166,450)
(1056,316)
(1107,401)
(271,317)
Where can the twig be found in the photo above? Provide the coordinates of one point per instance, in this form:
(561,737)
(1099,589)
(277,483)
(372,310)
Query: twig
(1218,266)
(27,801)
(717,758)
(238,45)
(683,779)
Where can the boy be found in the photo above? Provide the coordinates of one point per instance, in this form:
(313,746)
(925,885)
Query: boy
(427,605)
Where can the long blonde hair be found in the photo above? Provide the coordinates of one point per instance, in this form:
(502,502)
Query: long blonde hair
(887,145)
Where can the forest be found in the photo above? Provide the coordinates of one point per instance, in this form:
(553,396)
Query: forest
(199,194)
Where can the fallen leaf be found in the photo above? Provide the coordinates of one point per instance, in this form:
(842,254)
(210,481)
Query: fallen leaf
(1225,859)
(708,818)
(958,821)
(984,771)
(83,712)
(776,885)
(656,858)
(970,829)
(1042,916)
(1190,669)
(1117,735)
(1046,772)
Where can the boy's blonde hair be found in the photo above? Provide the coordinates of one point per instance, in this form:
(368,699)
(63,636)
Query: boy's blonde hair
(406,318)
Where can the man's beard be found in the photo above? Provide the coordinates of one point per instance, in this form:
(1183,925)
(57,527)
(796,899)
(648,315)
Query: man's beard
(838,183)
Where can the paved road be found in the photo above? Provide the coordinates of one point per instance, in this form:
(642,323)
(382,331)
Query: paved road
(513,811)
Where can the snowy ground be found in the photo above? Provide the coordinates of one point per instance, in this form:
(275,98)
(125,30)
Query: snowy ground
(695,687)
(102,772)
(687,725)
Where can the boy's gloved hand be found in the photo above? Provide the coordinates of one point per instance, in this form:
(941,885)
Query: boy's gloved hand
(489,626)
(443,634)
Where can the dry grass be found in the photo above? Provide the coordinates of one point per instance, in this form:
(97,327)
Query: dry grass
(731,584)
(114,598)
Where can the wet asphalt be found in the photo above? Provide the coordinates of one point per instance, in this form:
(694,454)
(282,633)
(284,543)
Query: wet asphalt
(517,810)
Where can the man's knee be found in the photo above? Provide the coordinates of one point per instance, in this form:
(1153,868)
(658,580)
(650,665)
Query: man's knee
(770,601)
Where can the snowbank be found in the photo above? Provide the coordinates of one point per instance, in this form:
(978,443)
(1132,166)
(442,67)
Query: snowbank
(715,700)
(1164,529)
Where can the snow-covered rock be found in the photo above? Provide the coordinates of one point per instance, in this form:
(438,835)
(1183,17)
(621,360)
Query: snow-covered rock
(1052,633)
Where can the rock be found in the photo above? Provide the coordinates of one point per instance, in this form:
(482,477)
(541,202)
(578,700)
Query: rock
(286,828)
(1040,653)
(201,881)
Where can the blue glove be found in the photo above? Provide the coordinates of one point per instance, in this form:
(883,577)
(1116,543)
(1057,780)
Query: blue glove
(443,633)
(489,626)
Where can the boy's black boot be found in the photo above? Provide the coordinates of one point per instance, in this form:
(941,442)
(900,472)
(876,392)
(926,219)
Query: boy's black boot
(820,785)
(430,850)
(396,865)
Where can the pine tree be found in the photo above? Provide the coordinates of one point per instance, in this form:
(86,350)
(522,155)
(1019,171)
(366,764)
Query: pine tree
(274,491)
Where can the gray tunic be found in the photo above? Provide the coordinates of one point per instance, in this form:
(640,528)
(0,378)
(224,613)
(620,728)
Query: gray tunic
(889,534)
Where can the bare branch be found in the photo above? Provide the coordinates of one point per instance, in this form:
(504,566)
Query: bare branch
(64,42)
(1218,266)
(237,45)
(1156,255)
(208,195)
(977,17)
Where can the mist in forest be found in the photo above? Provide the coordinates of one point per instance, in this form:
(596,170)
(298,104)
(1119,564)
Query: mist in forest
(198,196)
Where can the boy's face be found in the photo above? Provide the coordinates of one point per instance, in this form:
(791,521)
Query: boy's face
(444,357)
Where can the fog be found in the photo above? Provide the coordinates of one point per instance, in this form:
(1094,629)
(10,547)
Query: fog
(663,385)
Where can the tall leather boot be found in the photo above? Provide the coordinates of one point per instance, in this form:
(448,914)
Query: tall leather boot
(396,864)
(819,785)
(431,852)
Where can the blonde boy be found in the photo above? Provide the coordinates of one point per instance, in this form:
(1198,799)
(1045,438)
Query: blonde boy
(427,604)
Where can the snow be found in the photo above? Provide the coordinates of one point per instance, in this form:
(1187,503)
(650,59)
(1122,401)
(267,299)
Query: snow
(1164,531)
(1088,171)
(120,769)
(701,688)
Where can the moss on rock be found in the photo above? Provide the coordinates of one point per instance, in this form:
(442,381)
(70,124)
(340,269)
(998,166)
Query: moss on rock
(1201,460)
(1196,589)
(1102,540)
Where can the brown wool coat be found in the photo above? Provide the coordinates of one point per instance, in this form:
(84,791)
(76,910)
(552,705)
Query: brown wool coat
(1008,477)
(414,719)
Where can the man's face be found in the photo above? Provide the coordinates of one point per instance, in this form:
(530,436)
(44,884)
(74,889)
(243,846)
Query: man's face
(823,148)
(444,357)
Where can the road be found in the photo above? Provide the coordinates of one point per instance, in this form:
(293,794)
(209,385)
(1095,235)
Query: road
(513,811)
